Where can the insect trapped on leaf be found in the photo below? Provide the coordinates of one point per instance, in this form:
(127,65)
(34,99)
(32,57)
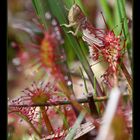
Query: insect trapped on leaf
(101,42)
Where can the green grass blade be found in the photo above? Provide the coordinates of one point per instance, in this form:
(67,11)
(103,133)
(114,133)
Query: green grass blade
(107,13)
(85,84)
(122,15)
(117,19)
(57,9)
(73,130)
(40,11)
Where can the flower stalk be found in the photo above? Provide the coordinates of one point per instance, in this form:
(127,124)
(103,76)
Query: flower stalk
(126,73)
(46,120)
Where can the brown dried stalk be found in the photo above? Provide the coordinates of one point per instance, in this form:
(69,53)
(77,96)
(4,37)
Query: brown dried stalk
(126,73)
(97,99)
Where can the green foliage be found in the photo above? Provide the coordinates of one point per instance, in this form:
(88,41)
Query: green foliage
(107,12)
(73,130)
(40,10)
(122,16)
(56,7)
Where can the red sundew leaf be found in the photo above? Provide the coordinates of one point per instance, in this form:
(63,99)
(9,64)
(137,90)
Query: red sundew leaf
(102,42)
(33,95)
(37,93)
(108,46)
(49,52)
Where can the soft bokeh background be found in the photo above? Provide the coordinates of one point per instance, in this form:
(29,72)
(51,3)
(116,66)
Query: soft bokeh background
(21,30)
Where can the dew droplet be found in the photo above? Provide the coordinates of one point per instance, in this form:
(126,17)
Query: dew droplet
(57,33)
(14,45)
(65,99)
(48,15)
(66,77)
(54,22)
(69,83)
(68,108)
(16,61)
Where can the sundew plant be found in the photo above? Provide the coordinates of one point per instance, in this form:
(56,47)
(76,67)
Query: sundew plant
(70,70)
